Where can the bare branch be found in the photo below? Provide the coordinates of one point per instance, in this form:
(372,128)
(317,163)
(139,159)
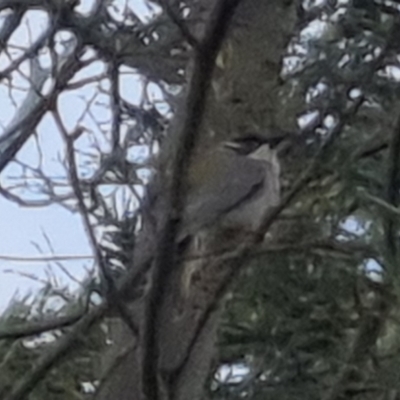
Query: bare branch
(36,328)
(9,25)
(41,259)
(20,131)
(112,294)
(55,354)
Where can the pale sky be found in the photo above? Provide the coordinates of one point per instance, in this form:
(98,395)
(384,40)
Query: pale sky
(24,231)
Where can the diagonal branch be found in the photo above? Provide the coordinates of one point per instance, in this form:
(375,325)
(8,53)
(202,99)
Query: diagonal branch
(112,296)
(245,251)
(55,354)
(21,130)
(29,381)
(183,144)
(373,322)
(392,198)
(179,22)
(36,328)
(328,247)
(10,24)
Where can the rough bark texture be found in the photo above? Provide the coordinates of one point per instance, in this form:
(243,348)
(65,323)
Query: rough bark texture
(246,84)
(243,96)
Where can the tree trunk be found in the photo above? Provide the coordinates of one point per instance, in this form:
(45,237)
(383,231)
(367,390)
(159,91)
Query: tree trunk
(243,96)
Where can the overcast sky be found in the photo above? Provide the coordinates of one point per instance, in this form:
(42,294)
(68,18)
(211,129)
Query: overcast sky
(26,232)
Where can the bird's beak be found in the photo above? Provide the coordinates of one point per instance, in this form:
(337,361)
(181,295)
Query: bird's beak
(231,145)
(264,153)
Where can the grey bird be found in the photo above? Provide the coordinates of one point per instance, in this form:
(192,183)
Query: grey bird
(229,189)
(233,185)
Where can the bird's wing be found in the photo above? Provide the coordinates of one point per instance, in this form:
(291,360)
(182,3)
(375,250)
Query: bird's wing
(237,178)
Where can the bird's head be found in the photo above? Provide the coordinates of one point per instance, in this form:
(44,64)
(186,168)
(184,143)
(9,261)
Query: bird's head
(255,145)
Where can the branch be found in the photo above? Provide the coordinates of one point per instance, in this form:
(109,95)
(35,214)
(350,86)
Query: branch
(394,212)
(10,24)
(373,322)
(245,251)
(112,295)
(27,383)
(326,247)
(36,328)
(23,127)
(370,148)
(392,198)
(184,142)
(188,36)
(41,259)
(31,53)
(55,354)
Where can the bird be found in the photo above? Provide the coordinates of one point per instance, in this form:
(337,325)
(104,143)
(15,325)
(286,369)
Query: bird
(228,190)
(231,186)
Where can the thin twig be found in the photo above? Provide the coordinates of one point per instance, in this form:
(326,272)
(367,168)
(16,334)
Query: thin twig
(353,250)
(43,258)
(112,294)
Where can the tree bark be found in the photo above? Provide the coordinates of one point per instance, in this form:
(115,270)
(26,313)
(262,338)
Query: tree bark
(243,95)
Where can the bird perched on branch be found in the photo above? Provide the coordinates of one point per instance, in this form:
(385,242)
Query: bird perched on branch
(232,186)
(228,191)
